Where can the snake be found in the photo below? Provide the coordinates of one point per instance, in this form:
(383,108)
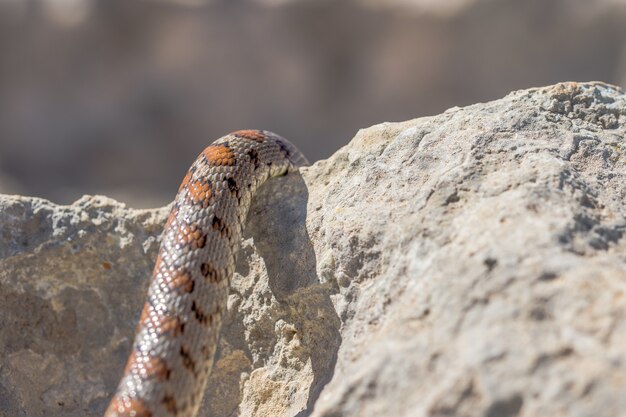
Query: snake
(178,330)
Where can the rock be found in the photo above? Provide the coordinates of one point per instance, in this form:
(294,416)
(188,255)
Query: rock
(481,259)
(467,264)
(71,279)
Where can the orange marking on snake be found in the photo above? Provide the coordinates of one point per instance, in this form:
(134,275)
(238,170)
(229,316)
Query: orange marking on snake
(200,192)
(169,324)
(191,235)
(255,135)
(171,218)
(145,314)
(127,407)
(220,155)
(147,366)
(159,323)
(151,367)
(182,281)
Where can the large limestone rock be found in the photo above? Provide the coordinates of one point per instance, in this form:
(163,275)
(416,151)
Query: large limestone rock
(467,264)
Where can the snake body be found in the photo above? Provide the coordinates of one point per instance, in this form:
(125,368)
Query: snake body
(178,330)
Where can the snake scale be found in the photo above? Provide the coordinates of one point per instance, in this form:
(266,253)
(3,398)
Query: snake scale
(178,330)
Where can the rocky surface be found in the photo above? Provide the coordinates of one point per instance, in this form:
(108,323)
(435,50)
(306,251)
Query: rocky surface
(467,264)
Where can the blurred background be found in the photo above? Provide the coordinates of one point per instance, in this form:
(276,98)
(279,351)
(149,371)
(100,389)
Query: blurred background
(117,97)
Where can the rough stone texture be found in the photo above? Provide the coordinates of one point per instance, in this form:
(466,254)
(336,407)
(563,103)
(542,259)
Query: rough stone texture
(481,259)
(467,264)
(71,280)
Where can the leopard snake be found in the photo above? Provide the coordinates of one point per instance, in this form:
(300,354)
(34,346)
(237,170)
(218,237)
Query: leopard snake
(178,330)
